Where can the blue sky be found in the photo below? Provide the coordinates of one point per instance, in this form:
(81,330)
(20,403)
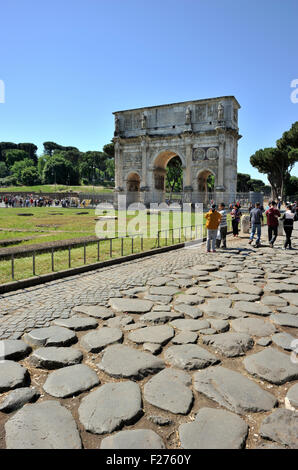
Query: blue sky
(68,64)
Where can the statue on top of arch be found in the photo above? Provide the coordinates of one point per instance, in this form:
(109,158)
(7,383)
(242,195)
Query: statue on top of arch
(220,112)
(188,115)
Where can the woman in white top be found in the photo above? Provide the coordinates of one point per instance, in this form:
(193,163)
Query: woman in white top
(288,219)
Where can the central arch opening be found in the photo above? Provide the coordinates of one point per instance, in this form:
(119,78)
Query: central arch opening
(168,172)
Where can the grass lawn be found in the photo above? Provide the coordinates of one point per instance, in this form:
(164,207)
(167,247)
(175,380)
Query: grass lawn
(53,224)
(50,188)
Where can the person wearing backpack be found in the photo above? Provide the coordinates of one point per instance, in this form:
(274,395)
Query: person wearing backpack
(213,219)
(256,218)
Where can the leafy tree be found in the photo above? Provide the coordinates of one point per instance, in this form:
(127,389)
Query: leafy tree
(243,182)
(109,149)
(276,163)
(30,149)
(256,185)
(6,146)
(58,169)
(110,169)
(291,186)
(3,170)
(15,155)
(174,176)
(49,148)
(30,176)
(18,167)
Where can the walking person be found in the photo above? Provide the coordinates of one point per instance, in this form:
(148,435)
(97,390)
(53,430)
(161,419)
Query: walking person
(213,219)
(236,215)
(256,218)
(223,227)
(272,221)
(288,220)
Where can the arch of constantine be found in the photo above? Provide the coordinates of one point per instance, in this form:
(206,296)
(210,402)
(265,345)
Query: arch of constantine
(204,134)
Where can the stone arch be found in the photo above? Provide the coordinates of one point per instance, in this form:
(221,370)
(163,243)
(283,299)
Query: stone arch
(133,183)
(160,162)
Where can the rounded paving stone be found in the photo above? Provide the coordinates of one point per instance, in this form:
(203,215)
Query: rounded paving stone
(253,326)
(264,341)
(214,429)
(248,288)
(133,439)
(125,362)
(97,340)
(230,344)
(219,325)
(168,391)
(120,321)
(285,319)
(189,357)
(160,317)
(131,305)
(110,407)
(70,381)
(274,300)
(233,390)
(17,398)
(222,290)
(292,298)
(163,290)
(45,425)
(50,336)
(252,307)
(13,349)
(152,334)
(189,310)
(190,325)
(77,323)
(12,375)
(284,340)
(185,337)
(281,426)
(271,365)
(96,311)
(292,396)
(188,299)
(54,358)
(152,348)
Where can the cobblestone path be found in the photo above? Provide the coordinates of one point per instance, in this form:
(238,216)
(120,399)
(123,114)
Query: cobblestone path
(182,350)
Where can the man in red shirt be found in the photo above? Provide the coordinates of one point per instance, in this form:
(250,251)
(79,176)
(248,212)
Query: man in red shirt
(272,221)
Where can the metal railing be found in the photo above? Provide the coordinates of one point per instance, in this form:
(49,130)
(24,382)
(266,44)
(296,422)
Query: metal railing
(171,236)
(84,245)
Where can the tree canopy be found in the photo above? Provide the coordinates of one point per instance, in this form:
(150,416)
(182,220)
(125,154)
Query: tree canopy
(277,162)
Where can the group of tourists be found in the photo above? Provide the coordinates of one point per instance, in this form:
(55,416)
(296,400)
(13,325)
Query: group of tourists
(27,201)
(216,224)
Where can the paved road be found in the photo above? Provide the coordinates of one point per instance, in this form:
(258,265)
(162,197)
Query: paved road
(168,351)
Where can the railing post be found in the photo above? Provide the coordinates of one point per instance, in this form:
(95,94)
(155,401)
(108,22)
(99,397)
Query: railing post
(12,266)
(53,259)
(142,243)
(158,242)
(98,252)
(172,236)
(132,243)
(111,247)
(69,256)
(33,263)
(179,234)
(84,252)
(166,237)
(121,246)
